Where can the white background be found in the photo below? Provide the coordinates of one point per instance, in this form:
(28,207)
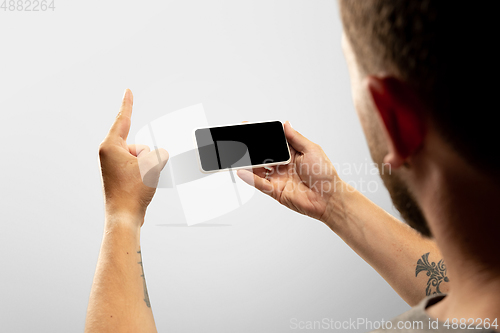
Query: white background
(62,76)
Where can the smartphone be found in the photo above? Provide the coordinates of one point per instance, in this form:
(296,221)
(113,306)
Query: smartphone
(246,145)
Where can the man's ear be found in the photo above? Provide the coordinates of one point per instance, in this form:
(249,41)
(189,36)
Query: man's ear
(402,114)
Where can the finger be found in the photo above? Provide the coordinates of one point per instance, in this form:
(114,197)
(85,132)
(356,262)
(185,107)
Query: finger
(261,172)
(138,150)
(121,125)
(159,157)
(260,183)
(299,142)
(151,164)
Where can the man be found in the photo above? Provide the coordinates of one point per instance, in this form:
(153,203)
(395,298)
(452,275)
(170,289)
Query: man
(442,179)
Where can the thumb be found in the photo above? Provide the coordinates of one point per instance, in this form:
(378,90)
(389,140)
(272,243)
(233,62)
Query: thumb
(151,164)
(299,142)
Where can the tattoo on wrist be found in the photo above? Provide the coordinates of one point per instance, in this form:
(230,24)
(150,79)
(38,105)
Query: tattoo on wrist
(435,272)
(146,295)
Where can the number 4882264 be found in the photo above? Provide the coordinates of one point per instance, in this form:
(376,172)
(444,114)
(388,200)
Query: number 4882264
(471,323)
(27,5)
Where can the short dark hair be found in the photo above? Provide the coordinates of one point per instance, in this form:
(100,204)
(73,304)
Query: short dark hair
(428,44)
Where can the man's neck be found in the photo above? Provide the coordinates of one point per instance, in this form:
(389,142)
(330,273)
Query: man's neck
(462,207)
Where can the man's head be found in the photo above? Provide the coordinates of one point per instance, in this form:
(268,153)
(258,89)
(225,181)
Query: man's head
(402,58)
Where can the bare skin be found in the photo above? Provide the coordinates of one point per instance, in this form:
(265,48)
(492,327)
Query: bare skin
(458,200)
(119,301)
(310,185)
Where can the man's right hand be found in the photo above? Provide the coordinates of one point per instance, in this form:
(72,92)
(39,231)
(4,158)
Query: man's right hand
(307,185)
(310,185)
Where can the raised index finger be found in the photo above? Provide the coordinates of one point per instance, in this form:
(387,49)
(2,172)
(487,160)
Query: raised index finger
(121,125)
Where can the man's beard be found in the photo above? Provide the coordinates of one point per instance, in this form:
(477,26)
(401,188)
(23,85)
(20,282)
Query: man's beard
(405,203)
(401,196)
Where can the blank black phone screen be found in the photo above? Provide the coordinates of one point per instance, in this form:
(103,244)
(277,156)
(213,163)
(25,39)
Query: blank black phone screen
(241,145)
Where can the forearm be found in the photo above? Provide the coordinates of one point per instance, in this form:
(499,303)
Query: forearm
(119,301)
(391,247)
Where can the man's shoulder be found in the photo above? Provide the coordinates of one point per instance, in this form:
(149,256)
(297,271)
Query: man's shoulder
(416,320)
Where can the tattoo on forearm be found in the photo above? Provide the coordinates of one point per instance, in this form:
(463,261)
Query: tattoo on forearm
(436,274)
(146,296)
